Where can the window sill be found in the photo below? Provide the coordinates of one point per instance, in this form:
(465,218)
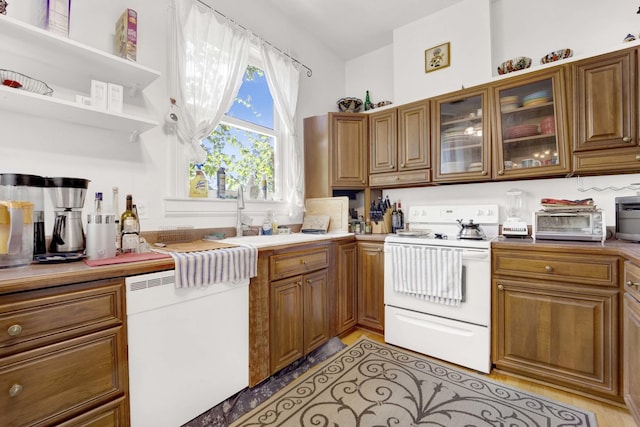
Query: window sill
(212,207)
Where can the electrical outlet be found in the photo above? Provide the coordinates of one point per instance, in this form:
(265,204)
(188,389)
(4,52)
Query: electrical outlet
(141,205)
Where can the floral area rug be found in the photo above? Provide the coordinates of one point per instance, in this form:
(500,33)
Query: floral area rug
(371,384)
(248,399)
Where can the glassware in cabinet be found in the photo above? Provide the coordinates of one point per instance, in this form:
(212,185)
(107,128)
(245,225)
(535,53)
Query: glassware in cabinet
(461,145)
(530,128)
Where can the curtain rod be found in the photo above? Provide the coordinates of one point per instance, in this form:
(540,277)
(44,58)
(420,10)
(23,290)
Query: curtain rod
(309,72)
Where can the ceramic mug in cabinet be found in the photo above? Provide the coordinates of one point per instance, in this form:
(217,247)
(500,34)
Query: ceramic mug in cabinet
(528,163)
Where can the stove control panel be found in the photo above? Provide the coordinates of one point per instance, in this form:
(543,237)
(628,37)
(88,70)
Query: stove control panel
(450,214)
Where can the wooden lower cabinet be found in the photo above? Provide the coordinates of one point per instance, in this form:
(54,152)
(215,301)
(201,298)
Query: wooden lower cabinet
(347,287)
(371,285)
(556,322)
(298,314)
(63,359)
(632,338)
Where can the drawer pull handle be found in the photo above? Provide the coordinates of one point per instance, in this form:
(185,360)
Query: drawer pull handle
(500,287)
(15,390)
(14,330)
(548,268)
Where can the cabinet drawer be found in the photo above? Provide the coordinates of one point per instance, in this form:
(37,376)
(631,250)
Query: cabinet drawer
(298,262)
(113,414)
(632,279)
(35,318)
(594,270)
(399,178)
(59,381)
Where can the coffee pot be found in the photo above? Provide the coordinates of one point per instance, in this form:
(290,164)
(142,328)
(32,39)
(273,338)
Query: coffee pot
(67,196)
(29,188)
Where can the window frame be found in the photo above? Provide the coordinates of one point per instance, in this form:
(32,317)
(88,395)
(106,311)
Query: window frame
(181,205)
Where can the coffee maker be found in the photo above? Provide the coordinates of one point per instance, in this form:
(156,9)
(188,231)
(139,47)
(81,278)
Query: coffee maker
(67,196)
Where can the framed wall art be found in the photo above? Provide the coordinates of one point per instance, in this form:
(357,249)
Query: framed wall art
(437,57)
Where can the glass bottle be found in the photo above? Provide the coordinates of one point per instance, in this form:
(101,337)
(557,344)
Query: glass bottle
(128,230)
(400,217)
(222,184)
(395,224)
(97,203)
(367,102)
(115,210)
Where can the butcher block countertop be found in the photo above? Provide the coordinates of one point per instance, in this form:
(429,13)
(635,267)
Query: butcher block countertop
(38,276)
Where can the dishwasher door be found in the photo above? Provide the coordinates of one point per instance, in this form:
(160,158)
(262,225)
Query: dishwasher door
(188,348)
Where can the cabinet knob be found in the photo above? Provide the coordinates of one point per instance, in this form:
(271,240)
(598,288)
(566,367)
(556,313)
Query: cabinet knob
(484,173)
(638,157)
(390,166)
(631,284)
(15,390)
(14,330)
(626,139)
(402,165)
(500,172)
(500,287)
(303,261)
(308,281)
(299,282)
(548,268)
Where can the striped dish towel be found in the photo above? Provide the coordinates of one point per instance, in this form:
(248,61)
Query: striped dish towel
(432,274)
(225,265)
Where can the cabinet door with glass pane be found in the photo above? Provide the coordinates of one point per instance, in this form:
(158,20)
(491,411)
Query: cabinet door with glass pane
(461,142)
(530,137)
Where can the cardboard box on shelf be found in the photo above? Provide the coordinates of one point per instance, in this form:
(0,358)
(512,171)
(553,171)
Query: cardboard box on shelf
(54,16)
(126,38)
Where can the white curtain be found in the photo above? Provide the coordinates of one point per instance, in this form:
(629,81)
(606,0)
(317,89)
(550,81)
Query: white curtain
(211,55)
(283,78)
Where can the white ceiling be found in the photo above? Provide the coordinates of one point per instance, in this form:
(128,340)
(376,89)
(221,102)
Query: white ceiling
(351,28)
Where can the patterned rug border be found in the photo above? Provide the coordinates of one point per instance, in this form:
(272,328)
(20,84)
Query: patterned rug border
(446,372)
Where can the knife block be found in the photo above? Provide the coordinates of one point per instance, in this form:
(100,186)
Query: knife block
(384,226)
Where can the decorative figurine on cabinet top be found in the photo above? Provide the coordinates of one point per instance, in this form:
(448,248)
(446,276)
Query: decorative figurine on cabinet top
(3,7)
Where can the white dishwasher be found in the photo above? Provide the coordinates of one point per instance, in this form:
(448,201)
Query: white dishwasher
(188,348)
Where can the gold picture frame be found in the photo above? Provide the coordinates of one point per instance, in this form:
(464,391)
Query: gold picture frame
(437,57)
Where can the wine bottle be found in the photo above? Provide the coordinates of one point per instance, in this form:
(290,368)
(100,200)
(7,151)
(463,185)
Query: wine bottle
(400,216)
(128,230)
(395,225)
(367,103)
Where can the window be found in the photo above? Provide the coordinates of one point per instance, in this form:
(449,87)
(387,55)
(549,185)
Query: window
(245,143)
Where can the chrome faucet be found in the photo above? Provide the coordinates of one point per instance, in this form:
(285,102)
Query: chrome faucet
(240,207)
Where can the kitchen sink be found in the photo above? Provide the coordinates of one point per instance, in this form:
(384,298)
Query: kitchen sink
(282,239)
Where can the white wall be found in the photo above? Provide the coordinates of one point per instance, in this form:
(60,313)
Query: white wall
(509,28)
(44,147)
(372,70)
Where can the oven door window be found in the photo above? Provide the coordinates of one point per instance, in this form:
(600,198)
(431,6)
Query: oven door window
(564,223)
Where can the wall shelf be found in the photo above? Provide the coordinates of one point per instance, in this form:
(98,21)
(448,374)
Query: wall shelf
(61,62)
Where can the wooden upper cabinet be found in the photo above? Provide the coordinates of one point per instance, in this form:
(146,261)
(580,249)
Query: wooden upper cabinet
(605,99)
(383,129)
(461,142)
(413,136)
(348,141)
(605,113)
(529,126)
(399,145)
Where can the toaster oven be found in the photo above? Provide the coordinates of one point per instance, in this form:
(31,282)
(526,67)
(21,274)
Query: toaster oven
(582,225)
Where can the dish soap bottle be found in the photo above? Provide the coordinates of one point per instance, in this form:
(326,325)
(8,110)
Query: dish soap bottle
(199,186)
(267,224)
(222,183)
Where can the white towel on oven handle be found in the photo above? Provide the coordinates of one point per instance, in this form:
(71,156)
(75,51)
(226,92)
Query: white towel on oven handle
(430,273)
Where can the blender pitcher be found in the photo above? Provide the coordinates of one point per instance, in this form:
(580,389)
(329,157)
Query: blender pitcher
(16,233)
